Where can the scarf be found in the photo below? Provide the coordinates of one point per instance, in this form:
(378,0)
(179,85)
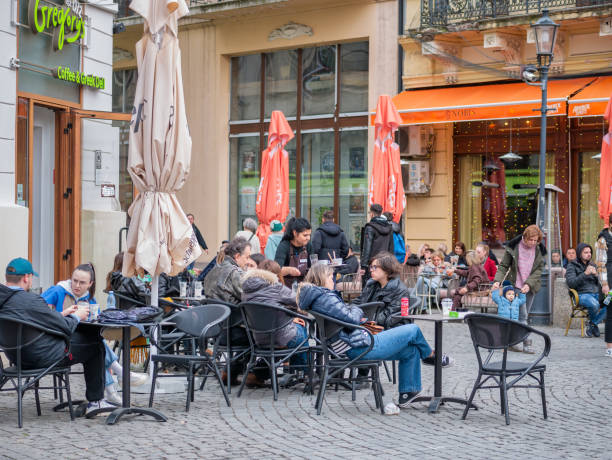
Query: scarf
(526,257)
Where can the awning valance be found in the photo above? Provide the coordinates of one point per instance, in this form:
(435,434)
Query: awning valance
(484,102)
(592,100)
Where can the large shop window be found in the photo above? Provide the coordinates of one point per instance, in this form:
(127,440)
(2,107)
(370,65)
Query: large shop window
(323,92)
(588,219)
(496,200)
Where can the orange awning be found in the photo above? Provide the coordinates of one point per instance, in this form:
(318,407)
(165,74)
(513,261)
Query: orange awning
(484,102)
(592,100)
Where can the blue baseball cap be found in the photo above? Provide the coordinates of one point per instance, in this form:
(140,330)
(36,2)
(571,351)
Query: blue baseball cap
(20,266)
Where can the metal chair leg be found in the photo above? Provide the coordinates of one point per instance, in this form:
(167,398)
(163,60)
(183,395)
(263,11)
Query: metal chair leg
(37,398)
(218,375)
(471,398)
(152,392)
(506,409)
(543,391)
(69,395)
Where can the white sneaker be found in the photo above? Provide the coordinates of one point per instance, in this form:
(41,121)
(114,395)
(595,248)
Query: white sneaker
(102,404)
(136,379)
(111,395)
(608,352)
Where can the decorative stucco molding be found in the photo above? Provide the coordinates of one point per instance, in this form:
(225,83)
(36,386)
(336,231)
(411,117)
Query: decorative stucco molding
(445,53)
(289,31)
(510,47)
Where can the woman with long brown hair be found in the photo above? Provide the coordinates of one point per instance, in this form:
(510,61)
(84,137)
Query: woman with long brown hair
(404,344)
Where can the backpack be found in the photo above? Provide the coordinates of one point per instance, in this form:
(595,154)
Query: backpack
(399,247)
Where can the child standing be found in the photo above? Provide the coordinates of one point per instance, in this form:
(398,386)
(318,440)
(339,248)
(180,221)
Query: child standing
(509,302)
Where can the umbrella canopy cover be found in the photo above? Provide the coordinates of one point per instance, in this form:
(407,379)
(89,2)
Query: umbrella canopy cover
(273,194)
(605,170)
(386,186)
(160,238)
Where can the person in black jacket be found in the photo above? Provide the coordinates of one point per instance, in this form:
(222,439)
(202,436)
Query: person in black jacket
(198,235)
(581,275)
(87,348)
(329,240)
(384,286)
(377,236)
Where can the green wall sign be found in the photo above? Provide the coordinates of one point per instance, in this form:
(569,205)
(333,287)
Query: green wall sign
(79,78)
(65,23)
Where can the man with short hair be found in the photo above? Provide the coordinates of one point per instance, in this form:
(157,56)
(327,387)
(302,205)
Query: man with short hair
(570,255)
(581,275)
(329,240)
(376,236)
(17,303)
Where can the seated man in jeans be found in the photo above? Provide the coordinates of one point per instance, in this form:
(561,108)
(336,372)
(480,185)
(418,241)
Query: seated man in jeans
(581,275)
(19,304)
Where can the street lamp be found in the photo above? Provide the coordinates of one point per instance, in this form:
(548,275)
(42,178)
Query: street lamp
(545,31)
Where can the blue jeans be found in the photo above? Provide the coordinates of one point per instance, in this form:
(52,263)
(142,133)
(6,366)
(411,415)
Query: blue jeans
(298,359)
(591,303)
(109,358)
(405,344)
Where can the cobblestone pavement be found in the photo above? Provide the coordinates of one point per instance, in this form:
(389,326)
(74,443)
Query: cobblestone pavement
(579,393)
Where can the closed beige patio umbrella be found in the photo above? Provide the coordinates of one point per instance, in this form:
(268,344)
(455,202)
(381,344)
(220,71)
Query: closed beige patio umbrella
(160,238)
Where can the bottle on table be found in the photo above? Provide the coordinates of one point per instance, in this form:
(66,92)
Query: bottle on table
(110,300)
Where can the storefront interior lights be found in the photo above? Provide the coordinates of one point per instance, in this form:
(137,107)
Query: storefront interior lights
(510,157)
(490,167)
(597,157)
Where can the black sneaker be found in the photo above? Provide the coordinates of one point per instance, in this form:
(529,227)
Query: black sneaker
(588,331)
(447,361)
(595,330)
(406,398)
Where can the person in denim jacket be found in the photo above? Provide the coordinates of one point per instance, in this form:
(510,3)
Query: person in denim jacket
(509,303)
(404,344)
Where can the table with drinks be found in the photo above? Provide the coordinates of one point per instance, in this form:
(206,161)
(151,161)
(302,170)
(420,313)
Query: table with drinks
(436,400)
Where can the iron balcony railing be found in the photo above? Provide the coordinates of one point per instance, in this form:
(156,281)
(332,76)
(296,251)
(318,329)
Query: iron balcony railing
(443,13)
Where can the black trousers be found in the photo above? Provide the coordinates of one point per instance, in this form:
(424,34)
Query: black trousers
(87,348)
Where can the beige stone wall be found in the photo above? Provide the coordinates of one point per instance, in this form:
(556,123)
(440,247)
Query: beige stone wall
(99,233)
(13,234)
(429,219)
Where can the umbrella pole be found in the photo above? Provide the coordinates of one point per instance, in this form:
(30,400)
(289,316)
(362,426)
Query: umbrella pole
(154,330)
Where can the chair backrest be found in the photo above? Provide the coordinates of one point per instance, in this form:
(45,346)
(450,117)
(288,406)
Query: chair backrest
(573,295)
(371,309)
(351,282)
(494,332)
(235,315)
(15,335)
(202,322)
(265,318)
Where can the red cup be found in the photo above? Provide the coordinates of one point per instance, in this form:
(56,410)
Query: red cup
(405,306)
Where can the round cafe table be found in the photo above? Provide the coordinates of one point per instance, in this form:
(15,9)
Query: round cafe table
(436,400)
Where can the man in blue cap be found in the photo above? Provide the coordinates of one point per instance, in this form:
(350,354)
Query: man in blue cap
(17,303)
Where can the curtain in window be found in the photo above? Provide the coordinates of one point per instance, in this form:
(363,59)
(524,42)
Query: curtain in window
(589,221)
(470,199)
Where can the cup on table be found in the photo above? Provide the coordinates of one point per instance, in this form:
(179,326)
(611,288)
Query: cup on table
(447,305)
(197,289)
(94,311)
(183,288)
(83,306)
(314,258)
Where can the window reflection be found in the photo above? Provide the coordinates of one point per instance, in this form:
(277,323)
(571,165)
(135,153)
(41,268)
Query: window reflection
(244,178)
(246,87)
(354,77)
(317,175)
(319,80)
(281,82)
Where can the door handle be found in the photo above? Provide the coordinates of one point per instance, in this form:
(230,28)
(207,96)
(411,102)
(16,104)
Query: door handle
(67,192)
(67,254)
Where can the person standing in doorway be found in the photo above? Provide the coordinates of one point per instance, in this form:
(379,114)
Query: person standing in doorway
(522,265)
(249,228)
(329,240)
(376,237)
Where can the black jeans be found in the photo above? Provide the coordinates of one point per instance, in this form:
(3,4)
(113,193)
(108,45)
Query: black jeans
(87,348)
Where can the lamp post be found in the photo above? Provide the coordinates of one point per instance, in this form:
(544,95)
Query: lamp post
(545,31)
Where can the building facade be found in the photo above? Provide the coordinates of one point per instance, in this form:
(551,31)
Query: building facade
(63,189)
(465,98)
(241,62)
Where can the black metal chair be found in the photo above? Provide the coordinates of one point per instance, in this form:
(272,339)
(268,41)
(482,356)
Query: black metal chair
(233,352)
(334,365)
(15,335)
(201,323)
(263,321)
(492,333)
